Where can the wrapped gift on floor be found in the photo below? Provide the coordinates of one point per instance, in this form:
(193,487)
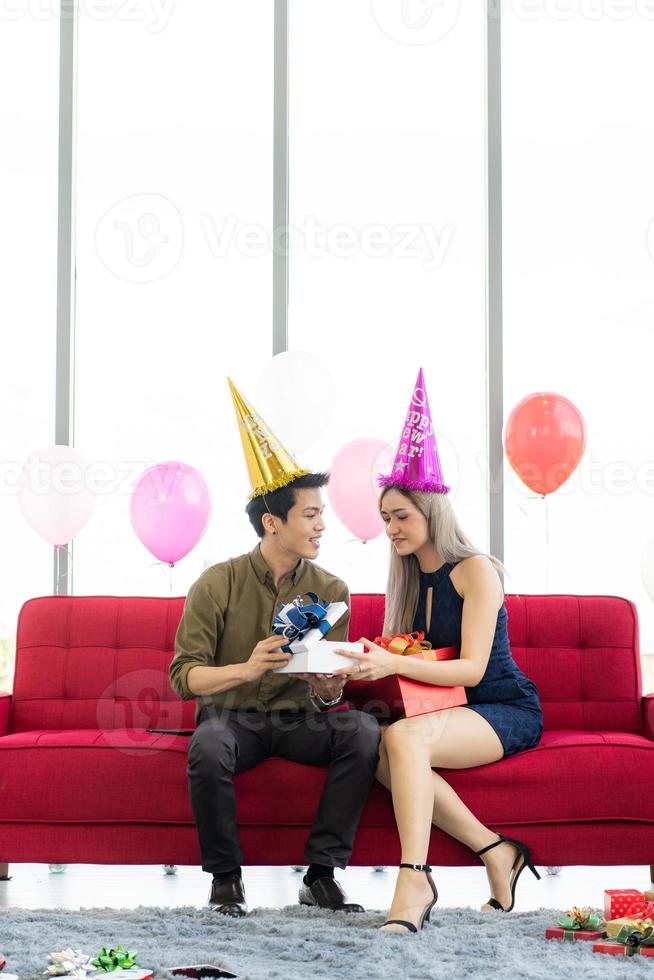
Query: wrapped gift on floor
(623,901)
(620,929)
(619,949)
(628,936)
(581,935)
(395,696)
(132,973)
(584,925)
(305,625)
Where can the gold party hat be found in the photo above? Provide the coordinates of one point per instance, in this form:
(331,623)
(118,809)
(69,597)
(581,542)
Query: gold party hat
(269,465)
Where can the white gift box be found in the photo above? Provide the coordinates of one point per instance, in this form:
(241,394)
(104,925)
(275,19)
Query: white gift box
(320,658)
(313,654)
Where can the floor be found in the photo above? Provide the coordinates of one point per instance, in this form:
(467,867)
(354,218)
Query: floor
(118,886)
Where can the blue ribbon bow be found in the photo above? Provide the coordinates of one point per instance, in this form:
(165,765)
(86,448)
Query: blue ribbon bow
(294,619)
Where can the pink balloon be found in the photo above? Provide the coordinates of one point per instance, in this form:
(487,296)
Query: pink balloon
(353,490)
(170,509)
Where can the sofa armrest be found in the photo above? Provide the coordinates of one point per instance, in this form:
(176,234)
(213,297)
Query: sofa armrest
(648,715)
(5,709)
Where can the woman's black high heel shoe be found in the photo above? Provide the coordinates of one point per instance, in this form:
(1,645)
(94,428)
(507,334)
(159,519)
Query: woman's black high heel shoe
(424,917)
(522,861)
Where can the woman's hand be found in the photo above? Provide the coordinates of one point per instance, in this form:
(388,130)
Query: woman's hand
(374,664)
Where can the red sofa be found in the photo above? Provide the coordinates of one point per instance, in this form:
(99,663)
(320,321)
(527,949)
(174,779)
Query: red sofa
(81,781)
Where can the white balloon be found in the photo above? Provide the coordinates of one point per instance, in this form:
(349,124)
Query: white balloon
(295,395)
(55,496)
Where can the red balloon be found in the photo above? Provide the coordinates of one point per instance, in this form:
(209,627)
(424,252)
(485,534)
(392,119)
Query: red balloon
(544,440)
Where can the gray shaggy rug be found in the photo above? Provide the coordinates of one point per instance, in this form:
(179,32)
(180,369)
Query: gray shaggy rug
(297,943)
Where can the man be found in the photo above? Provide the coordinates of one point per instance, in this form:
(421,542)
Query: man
(225,651)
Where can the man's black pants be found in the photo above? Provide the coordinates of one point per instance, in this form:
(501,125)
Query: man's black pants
(226,743)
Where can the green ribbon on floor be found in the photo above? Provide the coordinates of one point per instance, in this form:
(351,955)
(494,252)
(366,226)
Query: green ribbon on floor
(119,958)
(579,918)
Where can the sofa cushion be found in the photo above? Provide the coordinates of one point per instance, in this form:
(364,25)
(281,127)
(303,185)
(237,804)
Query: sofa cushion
(102,661)
(128,776)
(97,662)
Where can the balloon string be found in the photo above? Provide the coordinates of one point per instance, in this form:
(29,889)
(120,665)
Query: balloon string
(547,547)
(534,496)
(171,565)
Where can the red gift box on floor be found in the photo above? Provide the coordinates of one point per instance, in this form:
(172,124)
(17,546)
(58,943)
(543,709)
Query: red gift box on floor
(619,902)
(618,949)
(585,935)
(404,698)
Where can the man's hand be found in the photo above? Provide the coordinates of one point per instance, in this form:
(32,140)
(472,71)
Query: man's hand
(325,686)
(266,656)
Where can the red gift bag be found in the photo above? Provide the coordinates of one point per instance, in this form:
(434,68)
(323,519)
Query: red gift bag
(396,697)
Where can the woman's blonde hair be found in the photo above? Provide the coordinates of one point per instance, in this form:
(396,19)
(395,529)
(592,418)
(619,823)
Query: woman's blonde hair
(451,544)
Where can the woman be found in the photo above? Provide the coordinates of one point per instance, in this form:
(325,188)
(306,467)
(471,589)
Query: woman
(439,583)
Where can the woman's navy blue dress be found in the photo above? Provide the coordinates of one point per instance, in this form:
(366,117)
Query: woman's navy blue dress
(505,697)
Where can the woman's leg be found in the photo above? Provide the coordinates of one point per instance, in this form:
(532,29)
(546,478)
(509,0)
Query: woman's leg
(455,739)
(383,773)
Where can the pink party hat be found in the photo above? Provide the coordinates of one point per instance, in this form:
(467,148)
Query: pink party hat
(417,465)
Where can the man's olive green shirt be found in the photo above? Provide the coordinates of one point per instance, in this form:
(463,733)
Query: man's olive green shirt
(228,610)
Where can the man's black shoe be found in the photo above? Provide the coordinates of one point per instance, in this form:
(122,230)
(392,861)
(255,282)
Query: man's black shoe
(326,893)
(228,896)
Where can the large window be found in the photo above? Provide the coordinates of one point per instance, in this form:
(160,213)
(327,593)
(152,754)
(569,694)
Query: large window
(578,153)
(387,216)
(173,266)
(29,48)
(173,172)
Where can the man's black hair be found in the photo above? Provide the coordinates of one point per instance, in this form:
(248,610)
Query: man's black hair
(279,502)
